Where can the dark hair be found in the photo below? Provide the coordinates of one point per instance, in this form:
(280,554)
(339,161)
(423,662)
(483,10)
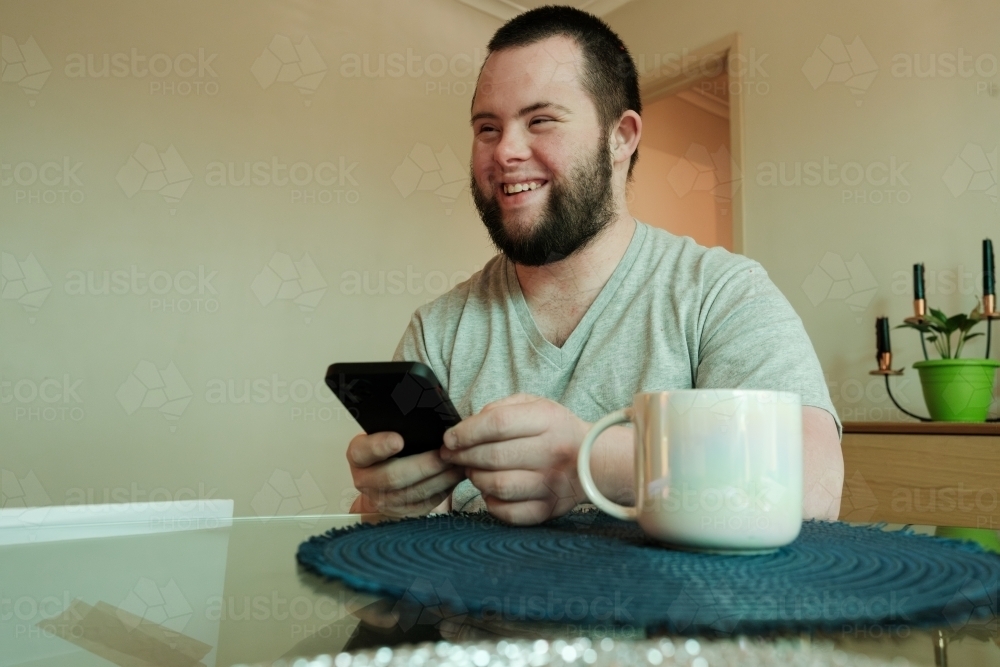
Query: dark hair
(609,77)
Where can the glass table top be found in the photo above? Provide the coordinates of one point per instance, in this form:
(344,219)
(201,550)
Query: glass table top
(231,592)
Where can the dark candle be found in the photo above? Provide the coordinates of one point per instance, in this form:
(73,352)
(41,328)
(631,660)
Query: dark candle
(918,281)
(989,278)
(882,335)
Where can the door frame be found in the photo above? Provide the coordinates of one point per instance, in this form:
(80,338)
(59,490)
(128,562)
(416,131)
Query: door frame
(728,50)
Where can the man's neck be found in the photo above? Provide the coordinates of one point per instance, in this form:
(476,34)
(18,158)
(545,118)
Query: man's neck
(576,281)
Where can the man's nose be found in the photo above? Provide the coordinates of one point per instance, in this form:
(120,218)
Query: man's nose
(514,146)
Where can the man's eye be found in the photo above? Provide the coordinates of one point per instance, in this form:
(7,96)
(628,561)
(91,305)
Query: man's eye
(536,121)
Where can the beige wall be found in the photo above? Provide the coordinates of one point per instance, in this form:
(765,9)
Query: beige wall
(374,142)
(379,159)
(675,180)
(842,254)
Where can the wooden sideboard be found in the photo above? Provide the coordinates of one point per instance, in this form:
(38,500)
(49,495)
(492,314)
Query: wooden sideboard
(937,473)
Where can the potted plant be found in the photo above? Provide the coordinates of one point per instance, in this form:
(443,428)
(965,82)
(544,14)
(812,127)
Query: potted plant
(955,389)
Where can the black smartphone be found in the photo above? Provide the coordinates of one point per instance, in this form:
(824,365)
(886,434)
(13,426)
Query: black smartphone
(400,396)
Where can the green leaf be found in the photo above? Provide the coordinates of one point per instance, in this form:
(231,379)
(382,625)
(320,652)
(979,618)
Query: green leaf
(916,327)
(938,328)
(969,324)
(955,321)
(936,323)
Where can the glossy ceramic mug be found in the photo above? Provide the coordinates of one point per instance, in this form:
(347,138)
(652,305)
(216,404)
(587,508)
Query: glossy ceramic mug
(715,469)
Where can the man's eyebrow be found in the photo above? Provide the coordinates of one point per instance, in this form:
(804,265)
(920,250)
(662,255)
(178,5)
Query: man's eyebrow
(523,112)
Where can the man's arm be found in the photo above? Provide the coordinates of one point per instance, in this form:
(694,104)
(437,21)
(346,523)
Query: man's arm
(822,463)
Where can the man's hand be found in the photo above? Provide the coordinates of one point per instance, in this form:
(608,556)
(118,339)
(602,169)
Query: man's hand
(520,452)
(408,486)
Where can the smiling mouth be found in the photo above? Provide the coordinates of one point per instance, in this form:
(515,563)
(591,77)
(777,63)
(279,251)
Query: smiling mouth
(525,186)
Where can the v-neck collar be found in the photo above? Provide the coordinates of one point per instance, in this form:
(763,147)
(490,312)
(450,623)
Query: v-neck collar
(571,347)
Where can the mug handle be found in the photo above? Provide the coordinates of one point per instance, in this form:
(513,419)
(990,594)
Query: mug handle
(583,466)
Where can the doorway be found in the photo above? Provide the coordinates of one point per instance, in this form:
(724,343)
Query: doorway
(689,173)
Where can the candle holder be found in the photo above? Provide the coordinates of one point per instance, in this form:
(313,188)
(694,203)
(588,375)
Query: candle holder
(919,312)
(944,380)
(885,365)
(990,311)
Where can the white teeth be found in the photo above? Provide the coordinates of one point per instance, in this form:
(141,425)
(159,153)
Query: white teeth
(513,188)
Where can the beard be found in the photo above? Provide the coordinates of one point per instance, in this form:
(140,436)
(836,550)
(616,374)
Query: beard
(577,210)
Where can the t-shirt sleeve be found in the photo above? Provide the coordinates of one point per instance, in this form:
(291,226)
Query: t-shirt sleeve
(418,344)
(752,338)
(411,346)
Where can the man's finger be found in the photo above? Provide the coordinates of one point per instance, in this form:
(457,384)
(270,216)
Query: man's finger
(372,504)
(505,422)
(365,450)
(417,509)
(400,473)
(511,400)
(517,454)
(421,491)
(519,513)
(510,485)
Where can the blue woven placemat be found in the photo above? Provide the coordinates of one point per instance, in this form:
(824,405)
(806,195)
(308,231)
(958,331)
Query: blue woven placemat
(591,569)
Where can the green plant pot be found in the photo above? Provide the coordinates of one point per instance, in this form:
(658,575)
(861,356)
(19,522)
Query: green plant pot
(958,390)
(988,539)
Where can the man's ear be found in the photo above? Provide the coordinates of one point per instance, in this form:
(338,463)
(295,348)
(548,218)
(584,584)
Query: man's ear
(625,136)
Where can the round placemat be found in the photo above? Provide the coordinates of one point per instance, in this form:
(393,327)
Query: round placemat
(591,569)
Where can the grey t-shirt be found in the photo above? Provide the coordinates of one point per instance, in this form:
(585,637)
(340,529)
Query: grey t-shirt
(673,315)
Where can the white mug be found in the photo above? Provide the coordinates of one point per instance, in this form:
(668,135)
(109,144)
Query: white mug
(715,469)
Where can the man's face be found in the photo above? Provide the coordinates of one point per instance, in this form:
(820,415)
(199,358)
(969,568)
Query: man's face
(541,165)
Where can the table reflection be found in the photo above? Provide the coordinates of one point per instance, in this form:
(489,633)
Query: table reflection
(235,595)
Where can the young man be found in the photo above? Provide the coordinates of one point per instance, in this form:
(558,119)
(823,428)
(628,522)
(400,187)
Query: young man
(584,306)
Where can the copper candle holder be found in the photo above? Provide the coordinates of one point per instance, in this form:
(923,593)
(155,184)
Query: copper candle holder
(919,312)
(885,365)
(990,307)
